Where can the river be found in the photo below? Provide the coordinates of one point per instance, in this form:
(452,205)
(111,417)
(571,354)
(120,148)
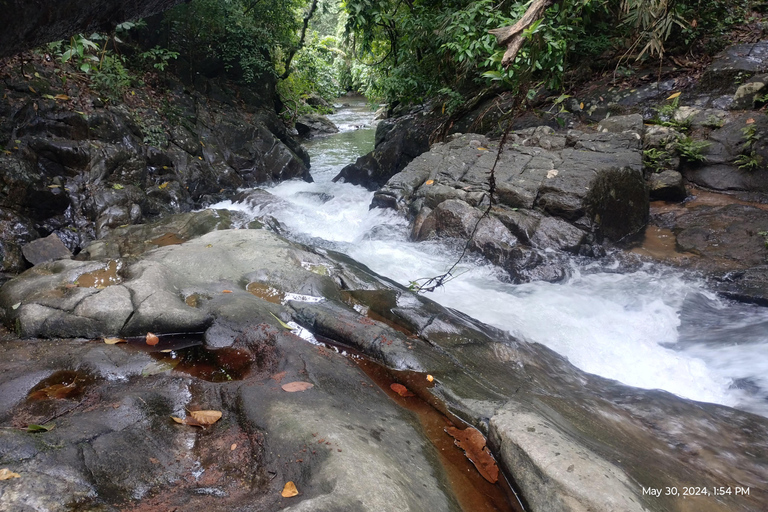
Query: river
(653,328)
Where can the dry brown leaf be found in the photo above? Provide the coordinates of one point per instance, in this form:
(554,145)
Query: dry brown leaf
(7,474)
(473,443)
(206,417)
(226,291)
(152,339)
(278,376)
(112,341)
(289,490)
(298,385)
(750,121)
(233,447)
(62,97)
(199,418)
(58,391)
(400,389)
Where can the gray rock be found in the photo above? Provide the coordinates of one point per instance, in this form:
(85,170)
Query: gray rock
(554,233)
(744,98)
(312,125)
(735,63)
(618,124)
(667,186)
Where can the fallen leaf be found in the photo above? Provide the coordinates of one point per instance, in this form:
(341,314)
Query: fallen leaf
(112,341)
(472,442)
(233,447)
(581,105)
(7,474)
(54,186)
(278,376)
(154,460)
(551,174)
(482,149)
(400,389)
(58,391)
(430,378)
(674,95)
(117,186)
(152,339)
(163,185)
(430,182)
(206,417)
(298,385)
(16,306)
(226,291)
(32,89)
(199,418)
(62,97)
(283,324)
(750,121)
(289,490)
(33,428)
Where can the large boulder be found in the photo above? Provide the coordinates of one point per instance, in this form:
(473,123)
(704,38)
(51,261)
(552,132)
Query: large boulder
(590,185)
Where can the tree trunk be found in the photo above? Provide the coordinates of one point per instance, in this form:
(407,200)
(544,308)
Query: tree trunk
(512,36)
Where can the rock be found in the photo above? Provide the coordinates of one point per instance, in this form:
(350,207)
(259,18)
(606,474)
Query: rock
(45,249)
(724,237)
(744,98)
(735,63)
(15,231)
(618,124)
(554,233)
(398,141)
(571,440)
(310,125)
(667,186)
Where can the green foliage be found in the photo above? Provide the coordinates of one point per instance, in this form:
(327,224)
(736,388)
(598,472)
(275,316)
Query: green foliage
(82,53)
(111,78)
(749,162)
(657,159)
(691,149)
(158,57)
(248,37)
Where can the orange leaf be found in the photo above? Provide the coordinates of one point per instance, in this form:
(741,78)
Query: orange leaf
(400,389)
(152,339)
(199,418)
(430,378)
(429,182)
(750,121)
(62,97)
(278,376)
(7,474)
(289,490)
(233,447)
(473,443)
(206,417)
(674,95)
(298,385)
(226,291)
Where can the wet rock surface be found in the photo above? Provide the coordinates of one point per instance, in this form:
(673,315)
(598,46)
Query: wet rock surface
(80,175)
(570,440)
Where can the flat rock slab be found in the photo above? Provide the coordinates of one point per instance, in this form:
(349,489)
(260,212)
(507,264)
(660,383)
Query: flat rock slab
(45,249)
(588,443)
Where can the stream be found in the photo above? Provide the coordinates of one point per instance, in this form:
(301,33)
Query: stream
(654,328)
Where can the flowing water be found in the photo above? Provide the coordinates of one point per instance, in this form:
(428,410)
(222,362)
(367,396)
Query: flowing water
(653,328)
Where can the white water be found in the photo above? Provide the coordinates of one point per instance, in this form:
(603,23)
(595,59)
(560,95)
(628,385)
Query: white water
(652,328)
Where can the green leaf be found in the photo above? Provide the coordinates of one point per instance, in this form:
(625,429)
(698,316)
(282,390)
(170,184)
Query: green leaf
(33,428)
(118,186)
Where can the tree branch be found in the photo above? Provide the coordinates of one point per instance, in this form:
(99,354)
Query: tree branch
(299,46)
(512,36)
